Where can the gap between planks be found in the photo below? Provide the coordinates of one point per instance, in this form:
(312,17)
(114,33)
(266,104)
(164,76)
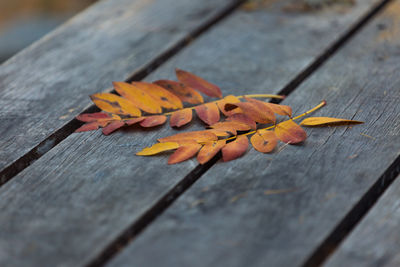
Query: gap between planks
(54,139)
(341,231)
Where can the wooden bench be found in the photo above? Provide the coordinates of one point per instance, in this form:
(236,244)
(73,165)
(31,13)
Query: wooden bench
(85,200)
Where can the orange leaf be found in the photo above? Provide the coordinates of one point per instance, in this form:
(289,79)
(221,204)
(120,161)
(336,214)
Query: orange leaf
(264,142)
(326,121)
(228,99)
(182,91)
(163,97)
(290,132)
(157,148)
(89,117)
(115,104)
(257,112)
(152,121)
(208,113)
(209,150)
(138,97)
(198,136)
(278,109)
(113,126)
(235,149)
(135,120)
(184,152)
(243,118)
(219,133)
(191,80)
(230,126)
(181,117)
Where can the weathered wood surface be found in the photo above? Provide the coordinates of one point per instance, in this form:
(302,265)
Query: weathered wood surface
(67,206)
(275,210)
(44,87)
(376,240)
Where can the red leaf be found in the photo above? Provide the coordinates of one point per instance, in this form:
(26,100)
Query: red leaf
(135,120)
(152,121)
(89,117)
(235,149)
(191,80)
(112,127)
(209,113)
(91,126)
(181,117)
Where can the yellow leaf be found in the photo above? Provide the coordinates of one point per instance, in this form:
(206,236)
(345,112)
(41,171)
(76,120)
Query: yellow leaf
(158,148)
(138,97)
(115,104)
(325,121)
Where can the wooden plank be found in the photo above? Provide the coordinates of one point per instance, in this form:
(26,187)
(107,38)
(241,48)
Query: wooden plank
(44,87)
(277,209)
(375,241)
(70,204)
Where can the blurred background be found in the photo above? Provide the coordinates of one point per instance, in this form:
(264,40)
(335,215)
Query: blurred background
(24,21)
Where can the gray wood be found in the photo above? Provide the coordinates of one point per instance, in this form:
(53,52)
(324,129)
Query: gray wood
(375,241)
(70,204)
(230,217)
(44,87)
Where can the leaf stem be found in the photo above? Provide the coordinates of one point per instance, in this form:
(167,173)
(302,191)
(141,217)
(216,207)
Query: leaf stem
(320,105)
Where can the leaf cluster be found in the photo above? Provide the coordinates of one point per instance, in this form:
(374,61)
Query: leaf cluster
(144,103)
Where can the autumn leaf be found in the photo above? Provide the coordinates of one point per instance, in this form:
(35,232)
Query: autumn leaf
(235,149)
(152,121)
(258,113)
(160,95)
(183,92)
(290,132)
(209,150)
(244,119)
(91,126)
(180,117)
(115,104)
(138,97)
(198,136)
(326,121)
(195,82)
(229,99)
(113,126)
(90,117)
(158,148)
(264,141)
(230,126)
(184,152)
(208,113)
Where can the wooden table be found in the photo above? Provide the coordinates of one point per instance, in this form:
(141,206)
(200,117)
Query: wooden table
(85,200)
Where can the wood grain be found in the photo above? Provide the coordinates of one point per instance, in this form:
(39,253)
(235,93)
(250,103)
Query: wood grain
(44,87)
(76,199)
(275,210)
(375,241)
